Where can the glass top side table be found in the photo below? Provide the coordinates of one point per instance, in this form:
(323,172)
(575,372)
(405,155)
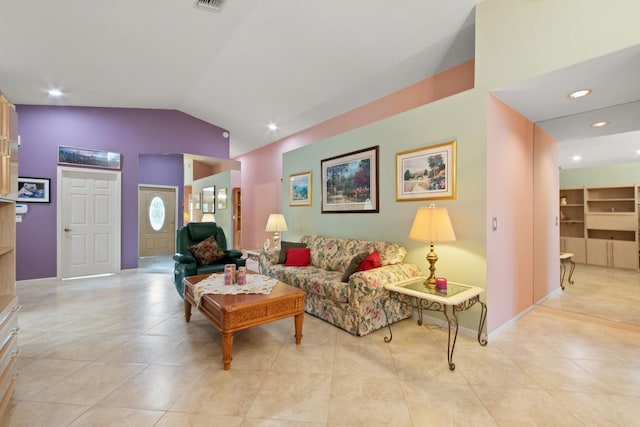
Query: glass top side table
(458,296)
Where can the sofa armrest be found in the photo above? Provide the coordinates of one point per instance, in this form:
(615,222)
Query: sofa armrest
(232,253)
(369,284)
(184,259)
(267,259)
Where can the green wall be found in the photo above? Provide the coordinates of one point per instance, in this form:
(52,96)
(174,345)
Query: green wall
(223,216)
(520,39)
(462,118)
(618,174)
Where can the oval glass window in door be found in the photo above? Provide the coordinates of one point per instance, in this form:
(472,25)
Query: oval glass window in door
(156,213)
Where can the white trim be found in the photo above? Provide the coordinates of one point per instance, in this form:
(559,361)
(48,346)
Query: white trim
(510,323)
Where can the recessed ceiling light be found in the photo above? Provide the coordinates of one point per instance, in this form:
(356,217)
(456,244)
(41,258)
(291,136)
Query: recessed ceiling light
(579,93)
(600,124)
(272,126)
(54,92)
(576,158)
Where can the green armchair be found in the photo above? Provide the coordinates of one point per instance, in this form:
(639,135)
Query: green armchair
(186,264)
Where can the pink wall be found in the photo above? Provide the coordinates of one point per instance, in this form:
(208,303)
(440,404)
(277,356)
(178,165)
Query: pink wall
(509,200)
(262,168)
(546,208)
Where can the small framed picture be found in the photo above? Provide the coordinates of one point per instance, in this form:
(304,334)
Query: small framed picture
(196,201)
(300,189)
(209,199)
(222,198)
(427,173)
(34,190)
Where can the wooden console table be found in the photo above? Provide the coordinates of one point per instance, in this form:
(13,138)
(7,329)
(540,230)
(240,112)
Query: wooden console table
(457,296)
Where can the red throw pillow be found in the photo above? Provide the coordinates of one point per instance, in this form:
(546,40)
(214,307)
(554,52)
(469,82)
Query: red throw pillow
(371,261)
(298,257)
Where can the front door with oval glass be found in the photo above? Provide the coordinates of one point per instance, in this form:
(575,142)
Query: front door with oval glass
(157,220)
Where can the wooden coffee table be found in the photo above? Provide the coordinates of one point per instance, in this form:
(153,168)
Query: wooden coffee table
(232,313)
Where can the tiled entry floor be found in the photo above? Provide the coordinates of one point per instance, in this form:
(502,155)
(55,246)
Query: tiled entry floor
(115,351)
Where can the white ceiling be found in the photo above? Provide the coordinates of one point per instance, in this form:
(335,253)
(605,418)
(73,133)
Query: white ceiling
(293,62)
(614,79)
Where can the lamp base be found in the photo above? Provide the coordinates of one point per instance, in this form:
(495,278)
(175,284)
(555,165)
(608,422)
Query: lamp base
(276,242)
(431,258)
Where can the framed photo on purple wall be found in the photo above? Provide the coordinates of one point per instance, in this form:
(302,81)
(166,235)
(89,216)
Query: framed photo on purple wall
(34,190)
(89,158)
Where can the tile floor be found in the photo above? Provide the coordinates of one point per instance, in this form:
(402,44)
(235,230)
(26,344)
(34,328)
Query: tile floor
(115,351)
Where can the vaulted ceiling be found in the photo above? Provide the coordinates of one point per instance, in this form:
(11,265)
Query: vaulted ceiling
(291,62)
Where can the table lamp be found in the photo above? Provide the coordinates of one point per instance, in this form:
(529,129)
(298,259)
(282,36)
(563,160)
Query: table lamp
(276,224)
(432,224)
(208,217)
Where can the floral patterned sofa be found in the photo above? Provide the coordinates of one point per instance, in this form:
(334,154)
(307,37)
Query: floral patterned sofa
(358,305)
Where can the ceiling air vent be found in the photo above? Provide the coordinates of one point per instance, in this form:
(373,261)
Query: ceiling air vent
(214,5)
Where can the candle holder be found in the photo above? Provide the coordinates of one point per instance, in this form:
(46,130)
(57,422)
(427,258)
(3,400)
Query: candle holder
(441,284)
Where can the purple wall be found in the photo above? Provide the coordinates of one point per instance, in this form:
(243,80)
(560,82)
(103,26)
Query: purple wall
(131,132)
(164,170)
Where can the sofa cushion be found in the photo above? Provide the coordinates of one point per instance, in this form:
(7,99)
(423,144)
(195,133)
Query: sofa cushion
(371,261)
(298,257)
(335,253)
(283,250)
(314,280)
(353,265)
(207,251)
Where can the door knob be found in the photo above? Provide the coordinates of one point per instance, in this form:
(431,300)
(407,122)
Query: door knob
(67,229)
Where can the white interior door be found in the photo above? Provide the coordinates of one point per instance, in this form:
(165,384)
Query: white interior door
(157,220)
(88,222)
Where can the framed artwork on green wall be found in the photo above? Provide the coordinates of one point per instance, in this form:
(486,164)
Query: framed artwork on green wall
(222,198)
(350,182)
(427,173)
(208,199)
(300,189)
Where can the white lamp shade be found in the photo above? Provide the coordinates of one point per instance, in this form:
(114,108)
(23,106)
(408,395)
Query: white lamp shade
(208,217)
(276,223)
(432,224)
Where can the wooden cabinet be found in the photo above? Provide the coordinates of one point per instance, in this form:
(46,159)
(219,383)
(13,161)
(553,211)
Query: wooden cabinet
(611,224)
(611,253)
(8,149)
(576,246)
(599,225)
(572,212)
(8,300)
(572,223)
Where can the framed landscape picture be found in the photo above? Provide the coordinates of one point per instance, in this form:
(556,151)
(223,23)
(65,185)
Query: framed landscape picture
(34,190)
(222,198)
(350,182)
(426,173)
(196,201)
(300,189)
(89,158)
